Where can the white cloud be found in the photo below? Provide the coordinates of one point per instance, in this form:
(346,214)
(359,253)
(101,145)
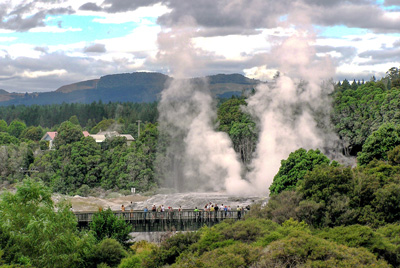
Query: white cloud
(20,50)
(233,46)
(141,39)
(7,39)
(6,31)
(38,74)
(358,66)
(140,15)
(262,73)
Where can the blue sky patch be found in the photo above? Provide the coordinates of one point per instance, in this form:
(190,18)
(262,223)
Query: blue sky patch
(90,31)
(339,31)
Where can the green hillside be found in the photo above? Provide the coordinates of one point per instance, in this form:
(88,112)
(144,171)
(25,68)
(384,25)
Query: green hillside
(127,87)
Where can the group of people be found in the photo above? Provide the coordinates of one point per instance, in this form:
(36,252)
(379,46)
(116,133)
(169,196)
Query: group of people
(215,209)
(224,210)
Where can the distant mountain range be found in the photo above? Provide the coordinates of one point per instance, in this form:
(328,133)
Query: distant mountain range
(127,87)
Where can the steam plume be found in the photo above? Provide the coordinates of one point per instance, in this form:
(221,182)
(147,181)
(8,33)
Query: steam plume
(286,110)
(197,157)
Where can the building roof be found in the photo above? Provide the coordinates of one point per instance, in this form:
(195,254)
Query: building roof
(108,133)
(128,137)
(53,134)
(98,138)
(50,134)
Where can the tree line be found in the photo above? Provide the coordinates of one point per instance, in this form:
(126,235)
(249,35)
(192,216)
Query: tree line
(88,115)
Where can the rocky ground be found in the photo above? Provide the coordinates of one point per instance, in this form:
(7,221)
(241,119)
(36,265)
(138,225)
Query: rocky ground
(91,203)
(185,200)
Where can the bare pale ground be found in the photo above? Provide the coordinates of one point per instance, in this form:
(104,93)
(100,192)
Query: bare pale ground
(80,203)
(175,200)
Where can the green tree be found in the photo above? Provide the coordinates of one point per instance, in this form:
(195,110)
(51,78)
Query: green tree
(386,202)
(32,133)
(354,85)
(393,73)
(16,128)
(379,143)
(6,138)
(76,164)
(74,120)
(244,138)
(67,134)
(230,112)
(34,231)
(105,224)
(331,188)
(103,125)
(345,85)
(241,129)
(3,126)
(394,156)
(295,167)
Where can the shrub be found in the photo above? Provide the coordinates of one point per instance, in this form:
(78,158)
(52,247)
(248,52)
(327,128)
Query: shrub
(302,249)
(105,224)
(110,252)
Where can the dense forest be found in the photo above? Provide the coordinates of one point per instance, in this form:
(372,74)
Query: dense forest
(320,213)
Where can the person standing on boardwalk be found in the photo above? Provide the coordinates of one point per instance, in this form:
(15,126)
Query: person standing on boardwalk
(122,208)
(239,212)
(131,210)
(145,210)
(216,210)
(180,212)
(196,213)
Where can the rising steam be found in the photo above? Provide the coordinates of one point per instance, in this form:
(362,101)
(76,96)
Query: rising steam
(285,111)
(199,158)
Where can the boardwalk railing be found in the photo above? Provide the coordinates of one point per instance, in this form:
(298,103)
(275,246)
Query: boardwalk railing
(167,220)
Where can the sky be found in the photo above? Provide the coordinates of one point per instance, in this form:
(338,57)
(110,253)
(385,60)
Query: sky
(45,44)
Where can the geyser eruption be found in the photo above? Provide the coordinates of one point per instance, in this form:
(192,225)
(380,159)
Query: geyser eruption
(197,157)
(286,110)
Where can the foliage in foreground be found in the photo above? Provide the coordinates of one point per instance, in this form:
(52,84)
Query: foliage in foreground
(33,233)
(253,242)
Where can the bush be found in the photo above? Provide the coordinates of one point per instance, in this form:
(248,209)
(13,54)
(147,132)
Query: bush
(171,248)
(283,206)
(105,224)
(84,190)
(237,255)
(300,249)
(357,236)
(110,252)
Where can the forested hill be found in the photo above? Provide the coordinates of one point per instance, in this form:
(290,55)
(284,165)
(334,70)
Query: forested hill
(127,87)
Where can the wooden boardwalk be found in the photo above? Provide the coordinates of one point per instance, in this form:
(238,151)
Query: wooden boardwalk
(185,220)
